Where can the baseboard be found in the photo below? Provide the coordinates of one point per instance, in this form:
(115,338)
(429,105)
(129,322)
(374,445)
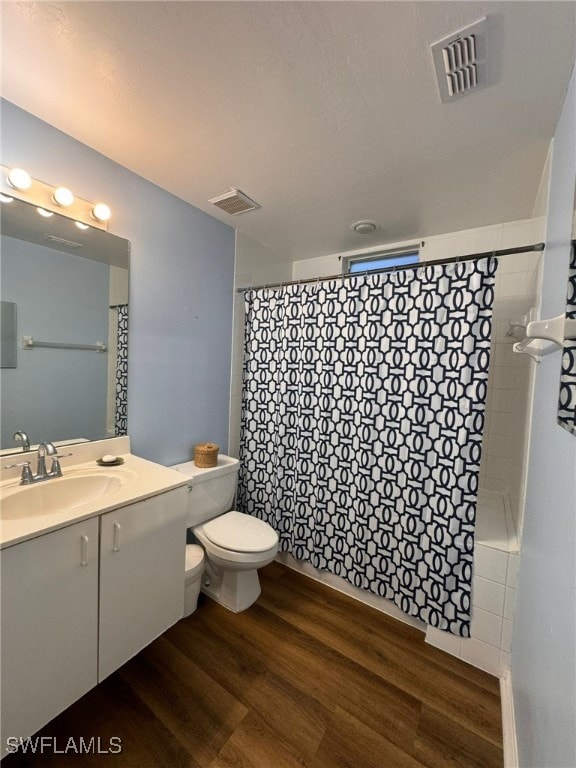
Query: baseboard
(508,721)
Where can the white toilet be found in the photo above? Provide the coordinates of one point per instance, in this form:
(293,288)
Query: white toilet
(236,545)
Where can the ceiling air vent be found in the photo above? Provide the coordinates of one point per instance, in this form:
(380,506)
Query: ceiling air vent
(234,202)
(460,61)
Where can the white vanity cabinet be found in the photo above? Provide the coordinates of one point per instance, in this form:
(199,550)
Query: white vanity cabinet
(142,554)
(49,605)
(78,602)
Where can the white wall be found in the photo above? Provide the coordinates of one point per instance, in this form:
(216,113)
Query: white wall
(544,639)
(181,284)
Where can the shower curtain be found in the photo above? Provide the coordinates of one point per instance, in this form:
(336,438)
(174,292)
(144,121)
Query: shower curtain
(121,397)
(362,420)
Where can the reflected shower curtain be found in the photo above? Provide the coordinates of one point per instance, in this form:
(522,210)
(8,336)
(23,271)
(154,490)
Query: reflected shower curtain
(362,420)
(121,394)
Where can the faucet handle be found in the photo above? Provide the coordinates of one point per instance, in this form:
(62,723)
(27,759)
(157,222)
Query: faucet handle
(56,469)
(26,476)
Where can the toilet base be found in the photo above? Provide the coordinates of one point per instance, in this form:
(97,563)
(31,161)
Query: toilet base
(234,590)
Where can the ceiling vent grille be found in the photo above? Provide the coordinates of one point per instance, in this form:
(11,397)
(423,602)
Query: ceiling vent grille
(234,202)
(460,61)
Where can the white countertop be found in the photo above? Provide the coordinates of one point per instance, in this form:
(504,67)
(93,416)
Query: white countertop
(143,479)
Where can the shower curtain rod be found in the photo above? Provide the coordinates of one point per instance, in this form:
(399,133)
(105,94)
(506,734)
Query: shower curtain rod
(452,260)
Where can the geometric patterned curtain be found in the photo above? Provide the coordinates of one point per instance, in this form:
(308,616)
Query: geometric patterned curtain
(567,396)
(361,432)
(121,399)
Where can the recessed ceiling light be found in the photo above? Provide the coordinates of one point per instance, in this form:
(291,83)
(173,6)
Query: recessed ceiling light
(81,226)
(6,198)
(44,212)
(364,227)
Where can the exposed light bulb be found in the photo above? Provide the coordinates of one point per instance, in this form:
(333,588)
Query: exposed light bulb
(6,198)
(44,213)
(101,212)
(19,179)
(62,196)
(81,226)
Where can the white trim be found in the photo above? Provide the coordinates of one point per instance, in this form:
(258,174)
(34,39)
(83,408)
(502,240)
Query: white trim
(508,721)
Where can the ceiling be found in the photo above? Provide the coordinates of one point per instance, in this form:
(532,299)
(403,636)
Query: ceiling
(322,112)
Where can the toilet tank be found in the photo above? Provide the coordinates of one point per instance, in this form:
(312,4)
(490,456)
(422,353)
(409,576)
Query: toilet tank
(210,491)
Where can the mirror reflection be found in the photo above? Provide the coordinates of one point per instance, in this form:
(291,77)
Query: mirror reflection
(64,323)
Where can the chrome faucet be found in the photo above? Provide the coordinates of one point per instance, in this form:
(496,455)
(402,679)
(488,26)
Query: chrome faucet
(22,437)
(44,450)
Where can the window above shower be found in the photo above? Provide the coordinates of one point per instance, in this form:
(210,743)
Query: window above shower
(372,262)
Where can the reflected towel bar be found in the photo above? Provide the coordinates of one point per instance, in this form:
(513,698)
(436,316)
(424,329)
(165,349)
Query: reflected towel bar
(28,342)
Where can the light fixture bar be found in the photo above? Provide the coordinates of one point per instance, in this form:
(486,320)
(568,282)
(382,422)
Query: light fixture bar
(54,199)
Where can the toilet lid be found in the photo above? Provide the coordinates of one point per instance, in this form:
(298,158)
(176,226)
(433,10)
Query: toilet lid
(240,533)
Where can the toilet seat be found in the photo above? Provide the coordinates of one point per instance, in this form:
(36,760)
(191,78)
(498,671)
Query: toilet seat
(238,532)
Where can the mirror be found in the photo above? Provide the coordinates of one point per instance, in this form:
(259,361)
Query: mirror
(64,293)
(567,397)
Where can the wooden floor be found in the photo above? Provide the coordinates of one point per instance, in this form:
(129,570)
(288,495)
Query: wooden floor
(305,677)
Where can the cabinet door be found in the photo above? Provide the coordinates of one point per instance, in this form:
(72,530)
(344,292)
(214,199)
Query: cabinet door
(142,558)
(49,613)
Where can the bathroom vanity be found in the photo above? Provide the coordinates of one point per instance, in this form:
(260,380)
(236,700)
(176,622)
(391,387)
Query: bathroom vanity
(92,572)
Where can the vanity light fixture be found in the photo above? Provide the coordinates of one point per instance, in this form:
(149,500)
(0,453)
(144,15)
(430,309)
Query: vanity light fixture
(101,212)
(44,212)
(62,196)
(19,179)
(17,183)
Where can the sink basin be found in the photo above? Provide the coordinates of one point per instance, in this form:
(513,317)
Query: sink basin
(50,496)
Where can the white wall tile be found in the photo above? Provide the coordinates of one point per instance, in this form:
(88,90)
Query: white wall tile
(463,242)
(486,626)
(517,233)
(519,262)
(515,283)
(488,595)
(509,603)
(490,563)
(488,239)
(506,639)
(481,655)
(512,573)
(443,640)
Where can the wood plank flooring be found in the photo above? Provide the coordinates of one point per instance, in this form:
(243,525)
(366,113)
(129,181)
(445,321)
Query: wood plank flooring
(306,677)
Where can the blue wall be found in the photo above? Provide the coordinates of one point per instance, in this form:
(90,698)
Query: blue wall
(181,289)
